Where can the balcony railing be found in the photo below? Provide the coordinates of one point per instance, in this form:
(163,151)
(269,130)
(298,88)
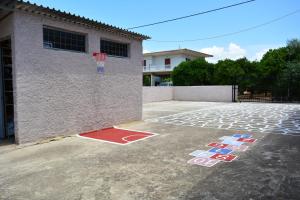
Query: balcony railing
(157,68)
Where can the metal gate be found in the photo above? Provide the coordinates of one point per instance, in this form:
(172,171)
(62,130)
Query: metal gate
(2,128)
(7,102)
(282,91)
(235,92)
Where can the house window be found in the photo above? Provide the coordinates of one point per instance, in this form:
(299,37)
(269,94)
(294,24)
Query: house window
(167,62)
(114,48)
(58,39)
(145,63)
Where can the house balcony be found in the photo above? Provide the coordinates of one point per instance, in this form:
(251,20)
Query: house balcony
(156,68)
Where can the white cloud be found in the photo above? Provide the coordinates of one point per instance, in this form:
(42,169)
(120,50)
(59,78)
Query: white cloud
(146,51)
(233,51)
(258,56)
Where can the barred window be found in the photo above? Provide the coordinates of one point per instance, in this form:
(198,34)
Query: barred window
(114,48)
(65,40)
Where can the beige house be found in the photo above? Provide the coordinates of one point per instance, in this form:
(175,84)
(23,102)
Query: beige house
(50,85)
(159,65)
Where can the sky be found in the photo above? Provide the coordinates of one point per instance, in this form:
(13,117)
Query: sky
(251,44)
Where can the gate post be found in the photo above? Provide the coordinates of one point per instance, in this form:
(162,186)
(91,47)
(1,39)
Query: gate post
(234,93)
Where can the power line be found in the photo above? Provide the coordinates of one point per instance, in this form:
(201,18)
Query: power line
(192,15)
(231,33)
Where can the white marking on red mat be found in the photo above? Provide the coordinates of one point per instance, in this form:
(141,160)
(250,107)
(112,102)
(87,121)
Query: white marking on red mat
(218,145)
(225,158)
(205,162)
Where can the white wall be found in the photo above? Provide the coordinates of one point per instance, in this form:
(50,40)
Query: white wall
(60,92)
(156,94)
(203,93)
(188,93)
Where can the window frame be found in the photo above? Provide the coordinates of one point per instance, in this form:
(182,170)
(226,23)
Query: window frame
(116,41)
(66,31)
(167,65)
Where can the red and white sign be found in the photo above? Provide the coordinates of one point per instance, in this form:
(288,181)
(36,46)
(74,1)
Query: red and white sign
(206,162)
(99,56)
(249,140)
(237,148)
(100,60)
(218,145)
(225,158)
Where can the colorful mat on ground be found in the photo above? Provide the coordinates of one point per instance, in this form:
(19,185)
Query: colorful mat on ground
(222,151)
(117,136)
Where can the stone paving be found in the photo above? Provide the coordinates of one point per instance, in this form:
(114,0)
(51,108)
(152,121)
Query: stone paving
(255,117)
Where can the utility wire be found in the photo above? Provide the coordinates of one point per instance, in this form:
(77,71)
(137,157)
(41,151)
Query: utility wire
(231,33)
(192,15)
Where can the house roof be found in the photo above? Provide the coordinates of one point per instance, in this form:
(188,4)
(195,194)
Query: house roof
(12,5)
(187,52)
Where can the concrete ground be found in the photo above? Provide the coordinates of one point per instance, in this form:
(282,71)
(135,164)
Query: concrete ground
(157,168)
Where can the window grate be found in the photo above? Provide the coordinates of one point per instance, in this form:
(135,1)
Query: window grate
(58,39)
(114,48)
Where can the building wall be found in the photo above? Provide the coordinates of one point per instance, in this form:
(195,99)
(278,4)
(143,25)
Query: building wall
(157,63)
(60,93)
(156,94)
(175,60)
(160,60)
(222,93)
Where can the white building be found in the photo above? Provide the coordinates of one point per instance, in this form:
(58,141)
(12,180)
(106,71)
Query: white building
(159,65)
(50,84)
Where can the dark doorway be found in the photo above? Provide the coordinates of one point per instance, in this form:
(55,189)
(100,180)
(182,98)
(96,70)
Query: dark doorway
(6,92)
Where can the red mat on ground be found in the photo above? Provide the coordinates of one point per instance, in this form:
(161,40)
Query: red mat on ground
(118,136)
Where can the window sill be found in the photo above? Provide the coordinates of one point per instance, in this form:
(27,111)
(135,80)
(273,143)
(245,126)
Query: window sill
(73,51)
(112,56)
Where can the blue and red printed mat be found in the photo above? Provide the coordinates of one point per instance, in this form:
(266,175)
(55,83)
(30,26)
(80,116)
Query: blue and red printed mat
(222,151)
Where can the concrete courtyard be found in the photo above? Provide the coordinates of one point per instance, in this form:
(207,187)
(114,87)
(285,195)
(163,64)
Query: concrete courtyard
(157,168)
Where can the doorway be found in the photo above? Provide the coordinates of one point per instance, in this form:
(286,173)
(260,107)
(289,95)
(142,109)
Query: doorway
(7,131)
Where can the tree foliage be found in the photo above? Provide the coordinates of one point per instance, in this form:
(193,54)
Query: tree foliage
(195,72)
(146,80)
(279,68)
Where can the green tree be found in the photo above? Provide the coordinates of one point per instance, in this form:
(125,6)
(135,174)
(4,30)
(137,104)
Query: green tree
(228,72)
(146,80)
(289,81)
(191,73)
(272,65)
(250,76)
(293,48)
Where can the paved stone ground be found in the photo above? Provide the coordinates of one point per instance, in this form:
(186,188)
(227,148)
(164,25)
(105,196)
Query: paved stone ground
(157,168)
(253,117)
